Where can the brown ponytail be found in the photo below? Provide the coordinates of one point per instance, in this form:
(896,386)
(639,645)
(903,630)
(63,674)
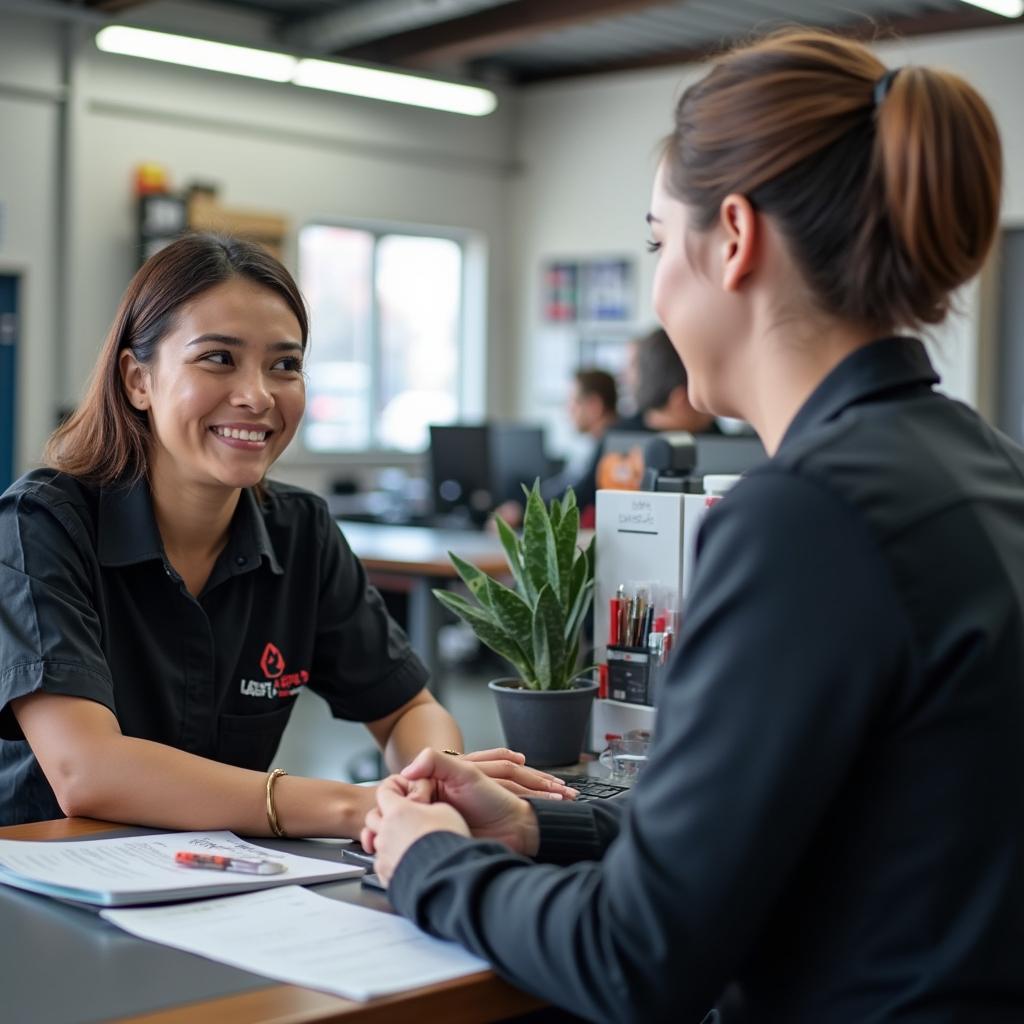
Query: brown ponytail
(888,206)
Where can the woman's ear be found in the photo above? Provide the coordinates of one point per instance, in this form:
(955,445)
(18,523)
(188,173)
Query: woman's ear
(135,378)
(740,228)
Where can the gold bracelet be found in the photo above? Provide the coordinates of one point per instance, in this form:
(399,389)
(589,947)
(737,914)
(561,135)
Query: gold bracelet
(271,809)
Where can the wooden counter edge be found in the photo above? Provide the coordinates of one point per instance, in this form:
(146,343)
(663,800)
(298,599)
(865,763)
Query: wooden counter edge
(477,999)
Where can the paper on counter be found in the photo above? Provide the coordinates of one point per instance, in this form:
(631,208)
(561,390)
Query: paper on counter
(141,869)
(301,938)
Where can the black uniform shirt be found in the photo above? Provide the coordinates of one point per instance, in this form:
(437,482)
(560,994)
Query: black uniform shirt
(833,813)
(90,607)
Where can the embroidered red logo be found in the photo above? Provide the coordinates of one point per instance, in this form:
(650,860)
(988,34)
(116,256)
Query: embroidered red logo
(277,684)
(272,662)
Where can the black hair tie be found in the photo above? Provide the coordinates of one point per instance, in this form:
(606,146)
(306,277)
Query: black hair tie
(883,85)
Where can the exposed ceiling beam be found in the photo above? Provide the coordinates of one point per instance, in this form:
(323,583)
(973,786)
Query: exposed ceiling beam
(113,6)
(866,30)
(486,32)
(373,19)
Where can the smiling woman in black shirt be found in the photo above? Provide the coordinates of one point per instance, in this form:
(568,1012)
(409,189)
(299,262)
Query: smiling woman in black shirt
(832,818)
(162,603)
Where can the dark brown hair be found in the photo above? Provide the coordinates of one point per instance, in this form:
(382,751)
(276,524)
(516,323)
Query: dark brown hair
(600,384)
(659,371)
(887,207)
(106,439)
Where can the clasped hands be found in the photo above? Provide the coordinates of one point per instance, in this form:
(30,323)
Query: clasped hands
(440,793)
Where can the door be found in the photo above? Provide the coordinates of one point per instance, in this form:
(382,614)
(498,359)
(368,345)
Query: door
(1010,335)
(8,376)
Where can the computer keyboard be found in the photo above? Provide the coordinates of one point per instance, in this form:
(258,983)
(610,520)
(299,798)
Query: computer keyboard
(592,789)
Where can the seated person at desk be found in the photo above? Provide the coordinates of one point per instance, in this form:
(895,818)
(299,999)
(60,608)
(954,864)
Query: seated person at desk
(657,379)
(162,602)
(832,818)
(592,409)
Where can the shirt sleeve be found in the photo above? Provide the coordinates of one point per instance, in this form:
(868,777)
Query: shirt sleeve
(793,637)
(363,665)
(50,633)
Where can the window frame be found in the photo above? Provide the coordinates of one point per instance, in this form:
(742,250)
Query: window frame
(471,352)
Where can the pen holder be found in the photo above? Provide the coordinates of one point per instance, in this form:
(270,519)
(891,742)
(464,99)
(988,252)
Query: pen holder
(630,672)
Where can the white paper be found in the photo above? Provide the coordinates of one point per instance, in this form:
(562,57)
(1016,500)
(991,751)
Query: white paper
(142,868)
(302,938)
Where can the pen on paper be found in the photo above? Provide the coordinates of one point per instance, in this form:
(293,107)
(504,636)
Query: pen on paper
(218,862)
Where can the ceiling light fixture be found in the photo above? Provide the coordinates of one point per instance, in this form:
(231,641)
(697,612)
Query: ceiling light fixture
(1007,8)
(196,53)
(395,87)
(333,76)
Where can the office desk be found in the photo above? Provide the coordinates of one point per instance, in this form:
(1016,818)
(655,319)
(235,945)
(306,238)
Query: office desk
(414,559)
(65,965)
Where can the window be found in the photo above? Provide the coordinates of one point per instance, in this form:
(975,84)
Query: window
(386,336)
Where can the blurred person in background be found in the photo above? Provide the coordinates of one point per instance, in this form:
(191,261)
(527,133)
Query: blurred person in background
(592,407)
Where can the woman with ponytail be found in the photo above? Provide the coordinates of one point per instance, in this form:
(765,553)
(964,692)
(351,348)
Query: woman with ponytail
(831,826)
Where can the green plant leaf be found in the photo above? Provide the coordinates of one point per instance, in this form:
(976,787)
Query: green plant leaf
(548,640)
(565,549)
(555,513)
(578,613)
(513,613)
(490,633)
(572,658)
(514,556)
(473,578)
(582,571)
(538,543)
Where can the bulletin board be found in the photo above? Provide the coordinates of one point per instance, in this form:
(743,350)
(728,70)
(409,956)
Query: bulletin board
(588,291)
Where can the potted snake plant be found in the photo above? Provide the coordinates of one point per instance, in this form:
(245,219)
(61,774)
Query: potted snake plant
(536,626)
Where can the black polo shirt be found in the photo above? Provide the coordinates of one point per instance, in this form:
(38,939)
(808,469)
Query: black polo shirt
(90,607)
(833,813)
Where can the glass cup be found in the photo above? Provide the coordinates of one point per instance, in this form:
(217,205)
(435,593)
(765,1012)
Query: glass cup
(625,758)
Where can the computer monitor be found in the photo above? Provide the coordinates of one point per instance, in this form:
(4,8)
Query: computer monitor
(517,458)
(475,467)
(460,470)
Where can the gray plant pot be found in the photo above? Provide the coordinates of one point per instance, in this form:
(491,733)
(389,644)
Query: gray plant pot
(547,726)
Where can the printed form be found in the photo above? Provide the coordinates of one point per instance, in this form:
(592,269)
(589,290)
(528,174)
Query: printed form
(301,938)
(142,869)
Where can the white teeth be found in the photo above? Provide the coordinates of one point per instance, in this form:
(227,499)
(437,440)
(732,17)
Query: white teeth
(241,435)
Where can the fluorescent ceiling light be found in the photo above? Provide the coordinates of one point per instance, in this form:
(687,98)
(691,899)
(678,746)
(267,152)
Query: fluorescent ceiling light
(1007,8)
(333,76)
(395,87)
(196,53)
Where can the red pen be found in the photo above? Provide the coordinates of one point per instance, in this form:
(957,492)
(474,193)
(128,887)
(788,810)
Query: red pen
(218,862)
(613,621)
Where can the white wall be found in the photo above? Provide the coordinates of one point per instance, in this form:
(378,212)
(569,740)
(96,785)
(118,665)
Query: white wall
(589,148)
(30,93)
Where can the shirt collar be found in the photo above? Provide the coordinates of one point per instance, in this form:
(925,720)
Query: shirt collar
(128,533)
(884,365)
(250,540)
